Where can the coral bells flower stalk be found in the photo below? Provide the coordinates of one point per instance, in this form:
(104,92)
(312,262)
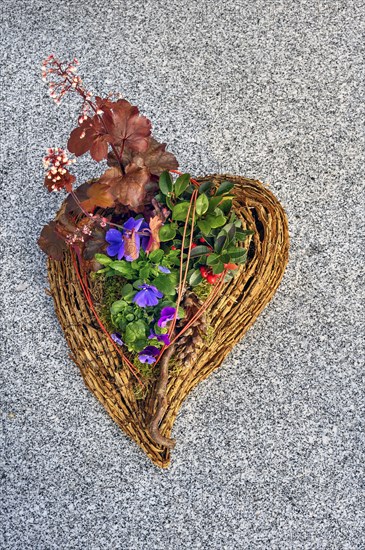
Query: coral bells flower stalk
(57,175)
(63,77)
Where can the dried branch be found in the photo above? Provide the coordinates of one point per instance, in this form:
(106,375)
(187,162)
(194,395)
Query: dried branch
(161,401)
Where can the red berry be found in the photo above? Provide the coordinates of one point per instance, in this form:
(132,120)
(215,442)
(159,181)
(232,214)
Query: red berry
(173,248)
(193,245)
(211,279)
(230,266)
(204,271)
(202,240)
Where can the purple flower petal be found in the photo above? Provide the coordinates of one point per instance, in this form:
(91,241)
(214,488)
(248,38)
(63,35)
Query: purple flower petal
(148,296)
(113,249)
(167,314)
(164,338)
(168,310)
(121,250)
(133,224)
(163,269)
(156,291)
(160,337)
(148,354)
(113,236)
(117,337)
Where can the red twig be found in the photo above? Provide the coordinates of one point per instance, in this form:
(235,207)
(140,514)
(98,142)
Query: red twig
(203,308)
(86,291)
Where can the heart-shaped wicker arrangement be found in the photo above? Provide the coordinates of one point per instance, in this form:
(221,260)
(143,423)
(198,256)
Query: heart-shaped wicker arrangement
(235,310)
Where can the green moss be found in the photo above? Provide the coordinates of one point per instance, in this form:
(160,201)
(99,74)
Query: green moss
(209,334)
(202,290)
(140,392)
(111,292)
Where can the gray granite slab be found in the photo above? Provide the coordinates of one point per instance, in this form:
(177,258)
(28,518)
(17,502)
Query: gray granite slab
(270,448)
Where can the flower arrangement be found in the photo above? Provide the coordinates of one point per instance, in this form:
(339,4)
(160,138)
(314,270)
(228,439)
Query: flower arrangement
(160,244)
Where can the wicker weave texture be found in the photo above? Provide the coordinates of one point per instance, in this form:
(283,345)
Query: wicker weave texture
(235,310)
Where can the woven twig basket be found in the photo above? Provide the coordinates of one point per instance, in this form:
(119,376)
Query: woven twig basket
(235,310)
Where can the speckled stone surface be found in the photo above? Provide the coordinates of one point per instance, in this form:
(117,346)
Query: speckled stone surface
(270,448)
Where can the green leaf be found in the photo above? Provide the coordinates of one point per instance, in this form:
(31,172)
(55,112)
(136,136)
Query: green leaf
(195,278)
(169,202)
(103,259)
(239,255)
(144,273)
(160,198)
(198,251)
(105,270)
(218,268)
(156,256)
(128,292)
(167,233)
(216,220)
(137,284)
(165,183)
(139,345)
(135,331)
(220,242)
(205,187)
(123,267)
(181,230)
(204,226)
(181,184)
(213,203)
(118,306)
(180,211)
(166,283)
(189,190)
(226,206)
(225,258)
(230,230)
(225,187)
(242,234)
(213,259)
(202,204)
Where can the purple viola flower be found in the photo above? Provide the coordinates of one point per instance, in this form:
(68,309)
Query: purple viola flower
(163,269)
(147,296)
(148,354)
(160,337)
(116,243)
(167,314)
(117,337)
(127,243)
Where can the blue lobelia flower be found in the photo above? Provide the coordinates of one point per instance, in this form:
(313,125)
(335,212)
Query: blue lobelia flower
(148,354)
(160,337)
(147,296)
(127,243)
(167,314)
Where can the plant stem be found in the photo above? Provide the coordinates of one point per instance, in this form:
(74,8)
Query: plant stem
(82,93)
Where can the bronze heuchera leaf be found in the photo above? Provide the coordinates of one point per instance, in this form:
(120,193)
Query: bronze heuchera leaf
(235,311)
